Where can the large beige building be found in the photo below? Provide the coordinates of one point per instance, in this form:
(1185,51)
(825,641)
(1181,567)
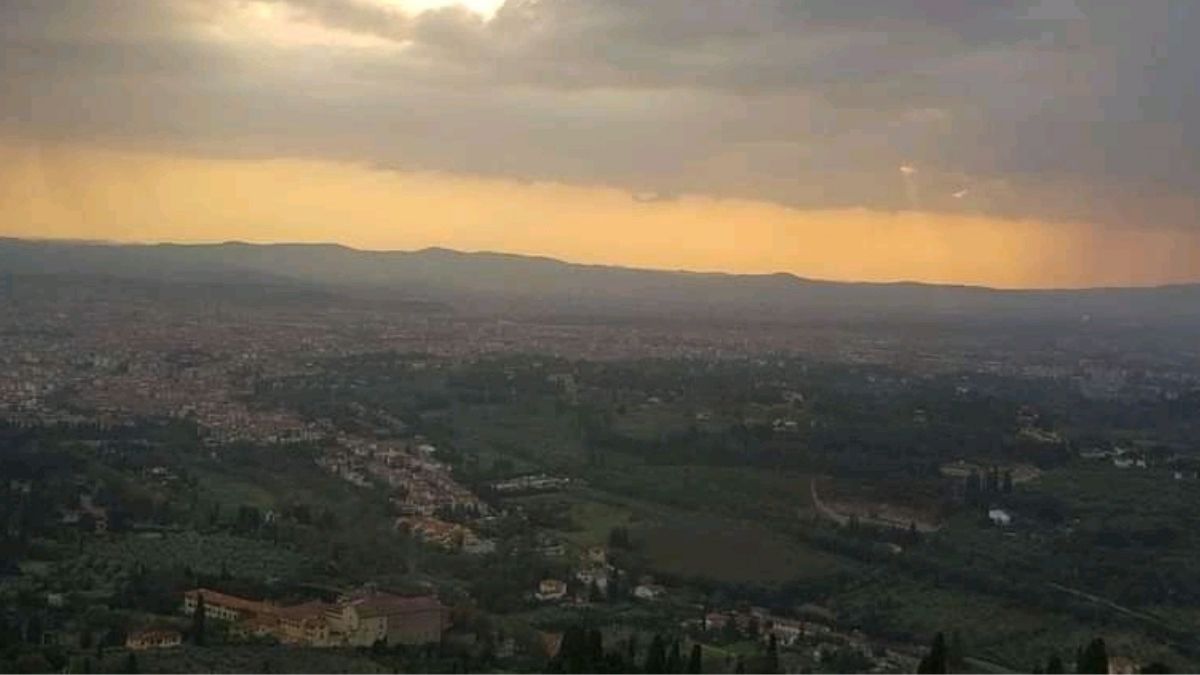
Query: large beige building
(395,620)
(223,607)
(360,619)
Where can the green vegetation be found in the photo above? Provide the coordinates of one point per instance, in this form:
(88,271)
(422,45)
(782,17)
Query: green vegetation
(730,552)
(207,554)
(696,475)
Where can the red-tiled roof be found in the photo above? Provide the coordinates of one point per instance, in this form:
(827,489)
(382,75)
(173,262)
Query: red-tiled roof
(386,604)
(309,610)
(233,602)
(154,634)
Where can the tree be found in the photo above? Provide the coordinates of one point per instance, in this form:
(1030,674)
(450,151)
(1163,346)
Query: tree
(772,655)
(595,646)
(674,659)
(935,660)
(131,664)
(1008,482)
(1094,658)
(973,487)
(1156,668)
(741,665)
(573,653)
(695,661)
(656,657)
(618,537)
(955,654)
(1055,665)
(198,620)
(33,630)
(615,589)
(32,662)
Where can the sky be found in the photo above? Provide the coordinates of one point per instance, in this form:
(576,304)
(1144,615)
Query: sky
(1014,143)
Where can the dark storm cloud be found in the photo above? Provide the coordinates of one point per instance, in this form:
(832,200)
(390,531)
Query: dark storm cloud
(1036,108)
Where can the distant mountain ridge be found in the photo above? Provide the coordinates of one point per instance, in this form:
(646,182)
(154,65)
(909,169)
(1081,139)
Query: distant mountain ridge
(510,282)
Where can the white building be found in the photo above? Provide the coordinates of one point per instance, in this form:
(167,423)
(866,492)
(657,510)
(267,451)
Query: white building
(1000,517)
(551,589)
(648,592)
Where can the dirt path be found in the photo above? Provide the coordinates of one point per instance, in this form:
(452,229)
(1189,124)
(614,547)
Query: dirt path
(1109,604)
(843,519)
(823,509)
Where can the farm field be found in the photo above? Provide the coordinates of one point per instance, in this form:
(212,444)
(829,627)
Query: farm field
(731,552)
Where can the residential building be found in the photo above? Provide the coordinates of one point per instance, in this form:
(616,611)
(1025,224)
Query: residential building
(304,624)
(648,591)
(551,589)
(154,638)
(999,517)
(224,607)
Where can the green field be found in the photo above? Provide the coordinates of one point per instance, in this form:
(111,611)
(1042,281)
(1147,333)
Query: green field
(735,492)
(232,491)
(731,552)
(690,544)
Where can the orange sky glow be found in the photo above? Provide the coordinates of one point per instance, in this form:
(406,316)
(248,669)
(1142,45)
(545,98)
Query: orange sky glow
(72,191)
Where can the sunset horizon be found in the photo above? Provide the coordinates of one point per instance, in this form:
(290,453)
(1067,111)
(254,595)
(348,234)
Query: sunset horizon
(999,146)
(579,262)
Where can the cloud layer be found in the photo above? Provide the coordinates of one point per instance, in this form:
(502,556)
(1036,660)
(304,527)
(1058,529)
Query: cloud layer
(1052,110)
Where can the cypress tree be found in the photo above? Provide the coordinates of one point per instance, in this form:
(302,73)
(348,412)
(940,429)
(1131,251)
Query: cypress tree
(656,658)
(772,655)
(1055,665)
(1094,658)
(573,655)
(595,649)
(695,661)
(955,654)
(674,659)
(935,660)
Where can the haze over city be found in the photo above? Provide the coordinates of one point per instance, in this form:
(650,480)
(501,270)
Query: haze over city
(1047,143)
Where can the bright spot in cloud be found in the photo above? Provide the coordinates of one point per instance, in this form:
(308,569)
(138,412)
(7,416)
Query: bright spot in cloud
(485,8)
(907,169)
(961,193)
